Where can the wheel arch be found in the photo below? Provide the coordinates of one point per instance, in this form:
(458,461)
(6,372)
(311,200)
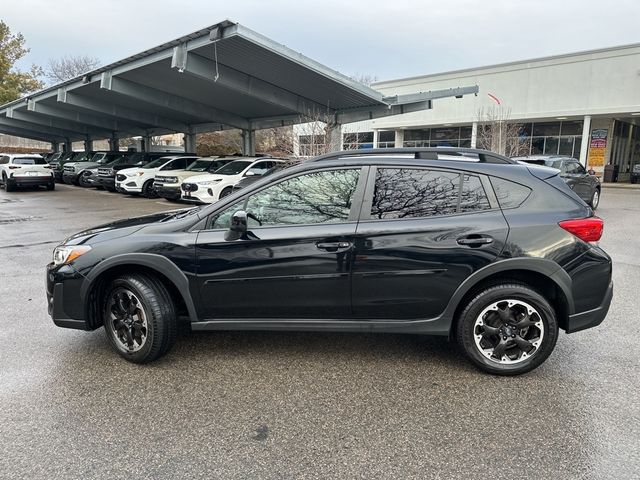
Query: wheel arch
(543,275)
(163,268)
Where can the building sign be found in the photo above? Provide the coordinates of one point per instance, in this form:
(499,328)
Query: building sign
(597,147)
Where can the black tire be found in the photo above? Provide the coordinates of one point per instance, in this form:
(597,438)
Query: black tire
(158,310)
(8,186)
(148,191)
(467,330)
(225,191)
(82,180)
(595,199)
(51,186)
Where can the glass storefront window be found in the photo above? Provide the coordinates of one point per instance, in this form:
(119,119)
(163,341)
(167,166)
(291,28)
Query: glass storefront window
(537,145)
(551,145)
(571,128)
(546,129)
(566,146)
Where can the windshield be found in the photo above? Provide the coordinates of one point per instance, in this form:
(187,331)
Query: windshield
(83,157)
(199,166)
(233,168)
(136,157)
(110,157)
(158,162)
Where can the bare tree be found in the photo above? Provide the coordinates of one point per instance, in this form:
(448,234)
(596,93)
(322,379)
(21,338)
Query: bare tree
(70,66)
(364,78)
(224,142)
(497,134)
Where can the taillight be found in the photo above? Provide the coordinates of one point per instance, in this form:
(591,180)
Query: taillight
(587,229)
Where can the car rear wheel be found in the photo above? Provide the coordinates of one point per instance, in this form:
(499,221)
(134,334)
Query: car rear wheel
(8,186)
(595,199)
(507,329)
(139,318)
(51,186)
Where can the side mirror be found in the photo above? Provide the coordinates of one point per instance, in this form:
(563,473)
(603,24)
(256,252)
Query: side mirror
(238,227)
(591,171)
(249,174)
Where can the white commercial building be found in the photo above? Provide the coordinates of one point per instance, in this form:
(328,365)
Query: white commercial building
(585,105)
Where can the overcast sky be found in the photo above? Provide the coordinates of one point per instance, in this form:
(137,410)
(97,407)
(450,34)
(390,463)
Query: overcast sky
(387,39)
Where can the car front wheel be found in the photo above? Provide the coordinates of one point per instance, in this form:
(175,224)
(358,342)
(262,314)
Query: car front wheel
(139,317)
(507,329)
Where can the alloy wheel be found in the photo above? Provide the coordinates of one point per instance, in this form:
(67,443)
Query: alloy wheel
(126,320)
(508,331)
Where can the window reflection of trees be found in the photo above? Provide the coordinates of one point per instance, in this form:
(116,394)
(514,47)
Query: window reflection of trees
(409,193)
(473,196)
(406,193)
(322,197)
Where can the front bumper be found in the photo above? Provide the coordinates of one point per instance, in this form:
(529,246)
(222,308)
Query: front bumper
(68,177)
(63,297)
(58,175)
(591,318)
(107,182)
(204,194)
(128,186)
(172,193)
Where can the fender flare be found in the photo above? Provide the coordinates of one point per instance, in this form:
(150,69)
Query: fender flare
(543,266)
(152,261)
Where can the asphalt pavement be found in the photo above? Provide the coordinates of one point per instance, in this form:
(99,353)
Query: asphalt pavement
(236,405)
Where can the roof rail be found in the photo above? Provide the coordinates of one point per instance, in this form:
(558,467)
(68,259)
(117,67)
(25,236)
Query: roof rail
(423,153)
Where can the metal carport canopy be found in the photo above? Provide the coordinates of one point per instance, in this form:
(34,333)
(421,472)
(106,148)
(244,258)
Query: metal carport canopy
(224,76)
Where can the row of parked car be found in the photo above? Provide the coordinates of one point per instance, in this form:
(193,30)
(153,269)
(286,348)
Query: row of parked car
(174,176)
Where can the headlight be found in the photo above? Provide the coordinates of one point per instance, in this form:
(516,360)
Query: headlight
(68,253)
(210,182)
(134,174)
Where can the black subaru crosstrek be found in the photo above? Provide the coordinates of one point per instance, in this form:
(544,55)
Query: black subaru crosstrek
(454,242)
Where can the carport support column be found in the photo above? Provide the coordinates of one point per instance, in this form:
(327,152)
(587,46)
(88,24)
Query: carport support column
(55,147)
(334,138)
(190,142)
(88,145)
(399,143)
(586,139)
(474,134)
(146,143)
(114,143)
(249,142)
(68,146)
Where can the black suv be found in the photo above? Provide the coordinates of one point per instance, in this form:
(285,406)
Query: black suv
(455,242)
(581,181)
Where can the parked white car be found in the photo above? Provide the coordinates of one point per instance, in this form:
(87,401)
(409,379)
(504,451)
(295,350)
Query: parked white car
(25,170)
(167,183)
(212,187)
(140,179)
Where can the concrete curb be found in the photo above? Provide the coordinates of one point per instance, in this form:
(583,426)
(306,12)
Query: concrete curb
(626,186)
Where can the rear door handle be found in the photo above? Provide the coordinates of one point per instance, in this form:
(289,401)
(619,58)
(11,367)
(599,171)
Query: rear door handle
(475,240)
(333,246)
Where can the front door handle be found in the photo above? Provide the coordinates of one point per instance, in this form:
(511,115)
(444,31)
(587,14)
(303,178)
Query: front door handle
(475,240)
(333,246)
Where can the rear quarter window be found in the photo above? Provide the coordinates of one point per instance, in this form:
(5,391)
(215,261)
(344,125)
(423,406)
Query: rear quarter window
(509,194)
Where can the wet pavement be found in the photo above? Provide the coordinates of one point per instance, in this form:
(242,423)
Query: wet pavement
(301,405)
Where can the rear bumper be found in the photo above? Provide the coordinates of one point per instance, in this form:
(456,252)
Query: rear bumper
(591,318)
(32,181)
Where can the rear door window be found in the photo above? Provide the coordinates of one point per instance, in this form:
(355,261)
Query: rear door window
(29,161)
(416,192)
(411,193)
